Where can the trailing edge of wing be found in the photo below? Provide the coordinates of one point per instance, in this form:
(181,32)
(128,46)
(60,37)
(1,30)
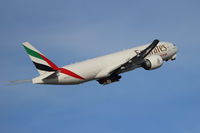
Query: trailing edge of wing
(107,71)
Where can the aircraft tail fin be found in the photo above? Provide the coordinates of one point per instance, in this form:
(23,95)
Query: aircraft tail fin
(41,63)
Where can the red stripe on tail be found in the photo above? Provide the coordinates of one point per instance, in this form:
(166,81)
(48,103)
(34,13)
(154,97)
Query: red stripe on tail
(62,70)
(70,73)
(49,62)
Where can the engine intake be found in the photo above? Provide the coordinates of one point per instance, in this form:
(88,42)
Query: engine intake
(152,62)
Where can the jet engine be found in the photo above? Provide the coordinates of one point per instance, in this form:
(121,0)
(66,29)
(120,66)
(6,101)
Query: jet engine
(152,62)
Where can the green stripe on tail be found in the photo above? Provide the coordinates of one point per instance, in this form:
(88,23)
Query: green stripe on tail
(33,53)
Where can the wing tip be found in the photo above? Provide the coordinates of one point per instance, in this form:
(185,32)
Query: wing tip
(156,41)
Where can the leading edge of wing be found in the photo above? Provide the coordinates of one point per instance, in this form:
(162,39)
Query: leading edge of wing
(136,60)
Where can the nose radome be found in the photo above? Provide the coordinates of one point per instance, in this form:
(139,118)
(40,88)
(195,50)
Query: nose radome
(175,48)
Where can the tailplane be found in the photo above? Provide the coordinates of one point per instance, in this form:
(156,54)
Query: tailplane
(42,64)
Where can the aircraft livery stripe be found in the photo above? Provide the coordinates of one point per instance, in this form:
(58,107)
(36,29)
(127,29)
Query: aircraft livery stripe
(52,66)
(32,53)
(62,70)
(43,67)
(49,62)
(70,73)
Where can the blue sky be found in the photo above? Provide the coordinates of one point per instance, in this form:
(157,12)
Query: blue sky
(164,100)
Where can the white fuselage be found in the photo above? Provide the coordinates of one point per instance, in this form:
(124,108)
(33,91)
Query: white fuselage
(97,68)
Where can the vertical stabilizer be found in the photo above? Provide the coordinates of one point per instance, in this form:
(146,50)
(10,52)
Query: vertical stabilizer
(41,63)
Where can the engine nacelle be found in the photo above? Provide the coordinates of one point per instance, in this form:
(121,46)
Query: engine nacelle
(152,62)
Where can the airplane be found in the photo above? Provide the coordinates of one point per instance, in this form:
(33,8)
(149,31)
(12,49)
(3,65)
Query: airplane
(105,69)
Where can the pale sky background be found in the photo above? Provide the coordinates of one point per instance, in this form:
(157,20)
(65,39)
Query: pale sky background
(166,100)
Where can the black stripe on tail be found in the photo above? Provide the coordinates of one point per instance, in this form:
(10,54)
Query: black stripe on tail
(43,67)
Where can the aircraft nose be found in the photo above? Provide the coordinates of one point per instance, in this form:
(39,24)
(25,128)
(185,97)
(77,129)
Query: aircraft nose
(175,49)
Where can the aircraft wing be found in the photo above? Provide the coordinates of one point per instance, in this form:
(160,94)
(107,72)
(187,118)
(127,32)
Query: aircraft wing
(136,61)
(106,72)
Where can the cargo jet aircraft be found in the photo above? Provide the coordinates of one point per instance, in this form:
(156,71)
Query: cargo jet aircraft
(105,69)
